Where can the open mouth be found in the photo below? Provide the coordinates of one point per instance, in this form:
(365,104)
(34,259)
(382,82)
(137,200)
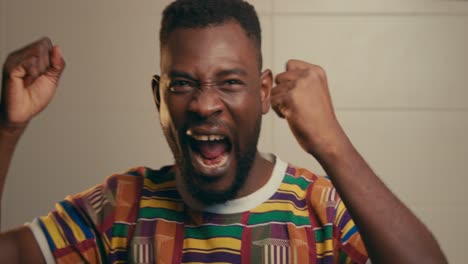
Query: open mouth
(210,151)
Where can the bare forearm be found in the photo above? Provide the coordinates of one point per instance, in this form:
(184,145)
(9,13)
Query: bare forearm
(9,137)
(390,231)
(20,246)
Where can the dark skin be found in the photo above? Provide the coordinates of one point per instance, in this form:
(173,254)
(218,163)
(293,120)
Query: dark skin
(30,78)
(391,233)
(231,100)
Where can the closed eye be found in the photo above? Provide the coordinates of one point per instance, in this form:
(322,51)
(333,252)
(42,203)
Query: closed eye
(233,82)
(232,85)
(181,86)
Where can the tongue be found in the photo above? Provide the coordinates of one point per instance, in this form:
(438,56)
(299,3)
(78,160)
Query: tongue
(211,150)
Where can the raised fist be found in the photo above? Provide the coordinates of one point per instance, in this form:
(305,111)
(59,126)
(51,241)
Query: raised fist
(30,78)
(301,96)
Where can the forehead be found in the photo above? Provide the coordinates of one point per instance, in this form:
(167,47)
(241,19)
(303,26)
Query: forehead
(209,49)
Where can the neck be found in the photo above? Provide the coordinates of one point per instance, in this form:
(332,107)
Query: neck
(259,175)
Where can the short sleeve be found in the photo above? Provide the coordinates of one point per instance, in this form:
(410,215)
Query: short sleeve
(92,226)
(341,236)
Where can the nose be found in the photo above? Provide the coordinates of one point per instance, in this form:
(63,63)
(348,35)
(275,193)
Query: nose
(206,102)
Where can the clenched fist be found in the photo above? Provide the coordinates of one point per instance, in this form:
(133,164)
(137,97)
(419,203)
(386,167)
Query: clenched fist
(301,96)
(30,78)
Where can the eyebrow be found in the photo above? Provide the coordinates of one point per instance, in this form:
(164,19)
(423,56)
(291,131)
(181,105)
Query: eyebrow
(234,71)
(223,73)
(180,74)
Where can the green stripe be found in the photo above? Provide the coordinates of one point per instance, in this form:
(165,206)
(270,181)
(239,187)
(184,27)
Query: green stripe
(343,258)
(206,232)
(157,177)
(171,215)
(119,230)
(278,216)
(324,233)
(301,182)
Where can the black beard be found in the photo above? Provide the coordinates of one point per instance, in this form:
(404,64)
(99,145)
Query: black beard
(244,161)
(209,197)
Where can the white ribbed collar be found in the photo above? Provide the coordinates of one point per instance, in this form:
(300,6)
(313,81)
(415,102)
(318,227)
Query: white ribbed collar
(245,203)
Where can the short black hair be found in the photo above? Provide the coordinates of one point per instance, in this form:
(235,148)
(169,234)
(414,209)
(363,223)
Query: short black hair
(205,13)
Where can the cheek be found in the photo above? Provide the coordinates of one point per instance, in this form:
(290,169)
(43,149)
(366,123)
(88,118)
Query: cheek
(169,128)
(164,117)
(247,101)
(171,112)
(246,114)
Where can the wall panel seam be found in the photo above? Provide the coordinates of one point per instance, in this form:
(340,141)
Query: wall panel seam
(400,109)
(273,62)
(368,14)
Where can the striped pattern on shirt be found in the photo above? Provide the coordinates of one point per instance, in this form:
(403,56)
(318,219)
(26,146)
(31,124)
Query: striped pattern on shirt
(140,217)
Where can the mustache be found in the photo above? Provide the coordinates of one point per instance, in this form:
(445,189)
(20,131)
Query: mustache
(204,124)
(208,122)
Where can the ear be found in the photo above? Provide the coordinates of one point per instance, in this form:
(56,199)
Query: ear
(266,79)
(155,86)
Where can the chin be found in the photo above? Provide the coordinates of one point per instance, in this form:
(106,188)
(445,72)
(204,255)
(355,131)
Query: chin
(217,185)
(212,163)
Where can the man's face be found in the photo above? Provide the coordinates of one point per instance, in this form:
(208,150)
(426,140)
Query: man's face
(212,97)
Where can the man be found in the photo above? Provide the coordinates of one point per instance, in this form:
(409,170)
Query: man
(223,201)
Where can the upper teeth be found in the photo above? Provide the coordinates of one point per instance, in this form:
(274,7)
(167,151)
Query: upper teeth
(208,137)
(205,137)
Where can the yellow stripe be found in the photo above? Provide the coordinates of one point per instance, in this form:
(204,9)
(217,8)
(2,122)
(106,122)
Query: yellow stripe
(212,243)
(268,207)
(205,263)
(347,227)
(293,188)
(119,242)
(340,211)
(212,251)
(290,192)
(56,235)
(287,202)
(328,253)
(157,186)
(176,206)
(106,242)
(325,246)
(71,224)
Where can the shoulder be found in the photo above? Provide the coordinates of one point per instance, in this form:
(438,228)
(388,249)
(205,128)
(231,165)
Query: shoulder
(307,180)
(137,175)
(317,190)
(120,191)
(134,179)
(328,214)
(131,179)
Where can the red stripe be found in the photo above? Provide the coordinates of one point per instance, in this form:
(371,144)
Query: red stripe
(246,243)
(178,244)
(107,223)
(354,254)
(312,245)
(314,223)
(80,247)
(310,208)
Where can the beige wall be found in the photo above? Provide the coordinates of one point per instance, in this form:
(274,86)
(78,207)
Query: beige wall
(397,70)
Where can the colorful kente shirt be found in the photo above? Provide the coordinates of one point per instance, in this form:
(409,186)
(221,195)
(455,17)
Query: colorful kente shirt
(141,217)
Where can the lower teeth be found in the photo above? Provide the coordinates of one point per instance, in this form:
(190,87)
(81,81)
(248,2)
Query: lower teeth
(213,162)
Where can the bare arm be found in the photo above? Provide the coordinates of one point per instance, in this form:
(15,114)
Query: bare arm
(19,246)
(390,231)
(8,139)
(30,78)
